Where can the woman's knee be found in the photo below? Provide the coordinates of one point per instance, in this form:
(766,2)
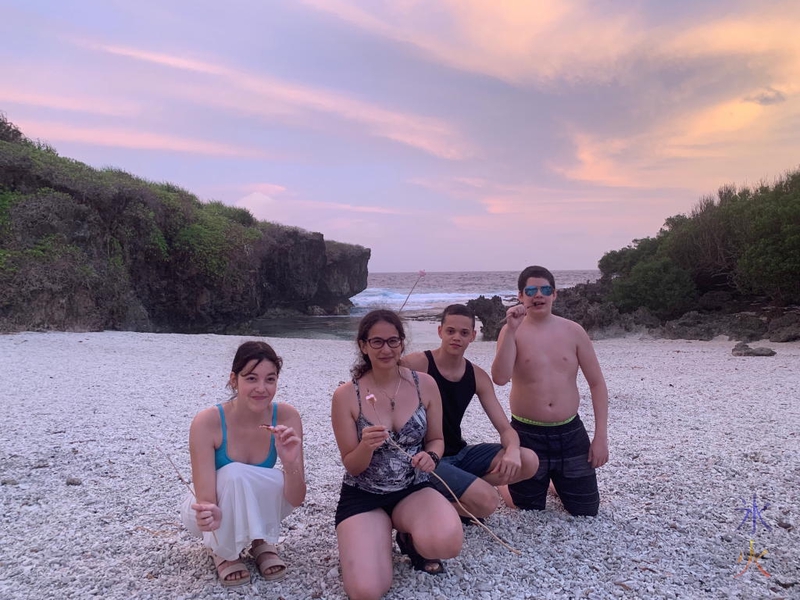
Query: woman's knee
(444,540)
(362,585)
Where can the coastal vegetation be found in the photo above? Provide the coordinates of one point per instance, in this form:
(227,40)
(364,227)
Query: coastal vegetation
(86,248)
(731,266)
(742,244)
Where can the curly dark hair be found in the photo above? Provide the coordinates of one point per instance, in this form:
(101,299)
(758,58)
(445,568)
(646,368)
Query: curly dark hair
(363,364)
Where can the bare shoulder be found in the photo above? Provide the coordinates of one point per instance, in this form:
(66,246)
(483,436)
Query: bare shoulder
(208,418)
(344,393)
(481,376)
(287,412)
(427,383)
(416,361)
(571,327)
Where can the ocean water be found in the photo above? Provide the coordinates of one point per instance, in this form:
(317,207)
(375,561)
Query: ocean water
(434,291)
(431,293)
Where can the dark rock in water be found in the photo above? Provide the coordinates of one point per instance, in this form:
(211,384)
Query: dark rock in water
(9,482)
(785,328)
(491,313)
(742,349)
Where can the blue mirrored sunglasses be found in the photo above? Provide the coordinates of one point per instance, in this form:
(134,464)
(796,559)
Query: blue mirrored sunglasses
(530,291)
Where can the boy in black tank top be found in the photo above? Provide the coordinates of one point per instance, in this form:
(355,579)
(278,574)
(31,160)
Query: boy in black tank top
(471,471)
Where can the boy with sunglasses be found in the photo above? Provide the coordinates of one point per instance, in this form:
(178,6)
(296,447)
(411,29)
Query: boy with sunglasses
(540,354)
(471,471)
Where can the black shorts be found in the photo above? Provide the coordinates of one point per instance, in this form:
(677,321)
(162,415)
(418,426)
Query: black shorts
(354,501)
(563,452)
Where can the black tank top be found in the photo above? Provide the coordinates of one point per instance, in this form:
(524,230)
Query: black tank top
(456,396)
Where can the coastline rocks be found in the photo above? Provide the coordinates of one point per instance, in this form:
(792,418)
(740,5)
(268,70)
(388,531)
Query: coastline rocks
(491,313)
(587,305)
(742,349)
(785,328)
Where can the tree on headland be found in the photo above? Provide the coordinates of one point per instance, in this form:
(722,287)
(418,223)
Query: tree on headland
(743,242)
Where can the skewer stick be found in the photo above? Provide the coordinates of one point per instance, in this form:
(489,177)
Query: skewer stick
(371,399)
(420,276)
(186,483)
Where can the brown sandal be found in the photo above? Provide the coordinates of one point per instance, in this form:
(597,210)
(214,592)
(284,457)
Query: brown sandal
(234,566)
(266,557)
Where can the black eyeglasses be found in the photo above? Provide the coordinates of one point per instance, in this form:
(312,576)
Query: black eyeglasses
(530,291)
(377,343)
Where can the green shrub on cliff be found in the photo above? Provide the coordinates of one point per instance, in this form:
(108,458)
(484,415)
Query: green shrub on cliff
(744,242)
(102,249)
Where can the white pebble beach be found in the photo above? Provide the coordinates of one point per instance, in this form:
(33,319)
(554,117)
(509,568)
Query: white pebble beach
(88,501)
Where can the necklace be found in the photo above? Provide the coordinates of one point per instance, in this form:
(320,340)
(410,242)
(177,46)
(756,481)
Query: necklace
(385,393)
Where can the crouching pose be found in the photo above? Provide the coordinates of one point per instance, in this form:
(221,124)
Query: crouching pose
(388,426)
(241,497)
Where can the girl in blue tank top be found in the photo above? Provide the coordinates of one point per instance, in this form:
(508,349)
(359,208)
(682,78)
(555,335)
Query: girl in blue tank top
(234,447)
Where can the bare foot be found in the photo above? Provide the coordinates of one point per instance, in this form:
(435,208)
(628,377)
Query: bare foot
(506,496)
(231,572)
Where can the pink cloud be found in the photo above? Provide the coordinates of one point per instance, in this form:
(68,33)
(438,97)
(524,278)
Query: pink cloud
(128,138)
(75,103)
(250,92)
(270,189)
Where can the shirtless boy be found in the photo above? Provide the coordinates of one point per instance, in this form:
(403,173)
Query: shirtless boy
(541,353)
(471,471)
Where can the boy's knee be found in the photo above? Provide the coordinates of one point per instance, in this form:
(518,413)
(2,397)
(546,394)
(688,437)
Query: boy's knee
(530,464)
(481,499)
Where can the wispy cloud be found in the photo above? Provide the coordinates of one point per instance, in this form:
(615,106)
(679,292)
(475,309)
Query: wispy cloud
(576,40)
(129,138)
(76,103)
(258,200)
(432,135)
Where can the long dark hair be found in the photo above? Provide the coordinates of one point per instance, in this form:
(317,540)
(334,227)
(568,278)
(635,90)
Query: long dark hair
(363,364)
(258,351)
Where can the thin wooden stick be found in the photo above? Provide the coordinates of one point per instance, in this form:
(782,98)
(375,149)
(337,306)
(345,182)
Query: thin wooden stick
(186,483)
(452,493)
(421,275)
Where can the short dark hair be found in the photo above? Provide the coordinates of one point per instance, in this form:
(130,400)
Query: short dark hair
(363,364)
(536,272)
(460,310)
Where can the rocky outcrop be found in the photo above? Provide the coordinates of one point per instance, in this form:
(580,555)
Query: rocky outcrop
(742,349)
(785,328)
(491,313)
(83,249)
(587,304)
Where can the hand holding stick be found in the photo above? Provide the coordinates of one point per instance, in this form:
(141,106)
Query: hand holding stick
(186,483)
(372,400)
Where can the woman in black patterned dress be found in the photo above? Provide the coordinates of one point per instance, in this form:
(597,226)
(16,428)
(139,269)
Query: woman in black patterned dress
(386,483)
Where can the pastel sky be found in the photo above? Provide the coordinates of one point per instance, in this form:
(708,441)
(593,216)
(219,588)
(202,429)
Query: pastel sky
(444,135)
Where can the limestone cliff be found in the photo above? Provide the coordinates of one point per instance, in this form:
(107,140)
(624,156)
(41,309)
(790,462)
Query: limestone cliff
(88,249)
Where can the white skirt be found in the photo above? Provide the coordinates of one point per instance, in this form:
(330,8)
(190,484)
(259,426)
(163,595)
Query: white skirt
(252,504)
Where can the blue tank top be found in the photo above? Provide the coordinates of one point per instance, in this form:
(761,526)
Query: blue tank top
(221,457)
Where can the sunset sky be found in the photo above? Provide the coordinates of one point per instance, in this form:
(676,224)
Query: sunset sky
(448,136)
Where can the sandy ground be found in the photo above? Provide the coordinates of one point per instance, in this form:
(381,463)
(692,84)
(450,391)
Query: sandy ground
(697,439)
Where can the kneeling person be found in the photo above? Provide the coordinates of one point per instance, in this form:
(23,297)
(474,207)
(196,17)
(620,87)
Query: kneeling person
(471,471)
